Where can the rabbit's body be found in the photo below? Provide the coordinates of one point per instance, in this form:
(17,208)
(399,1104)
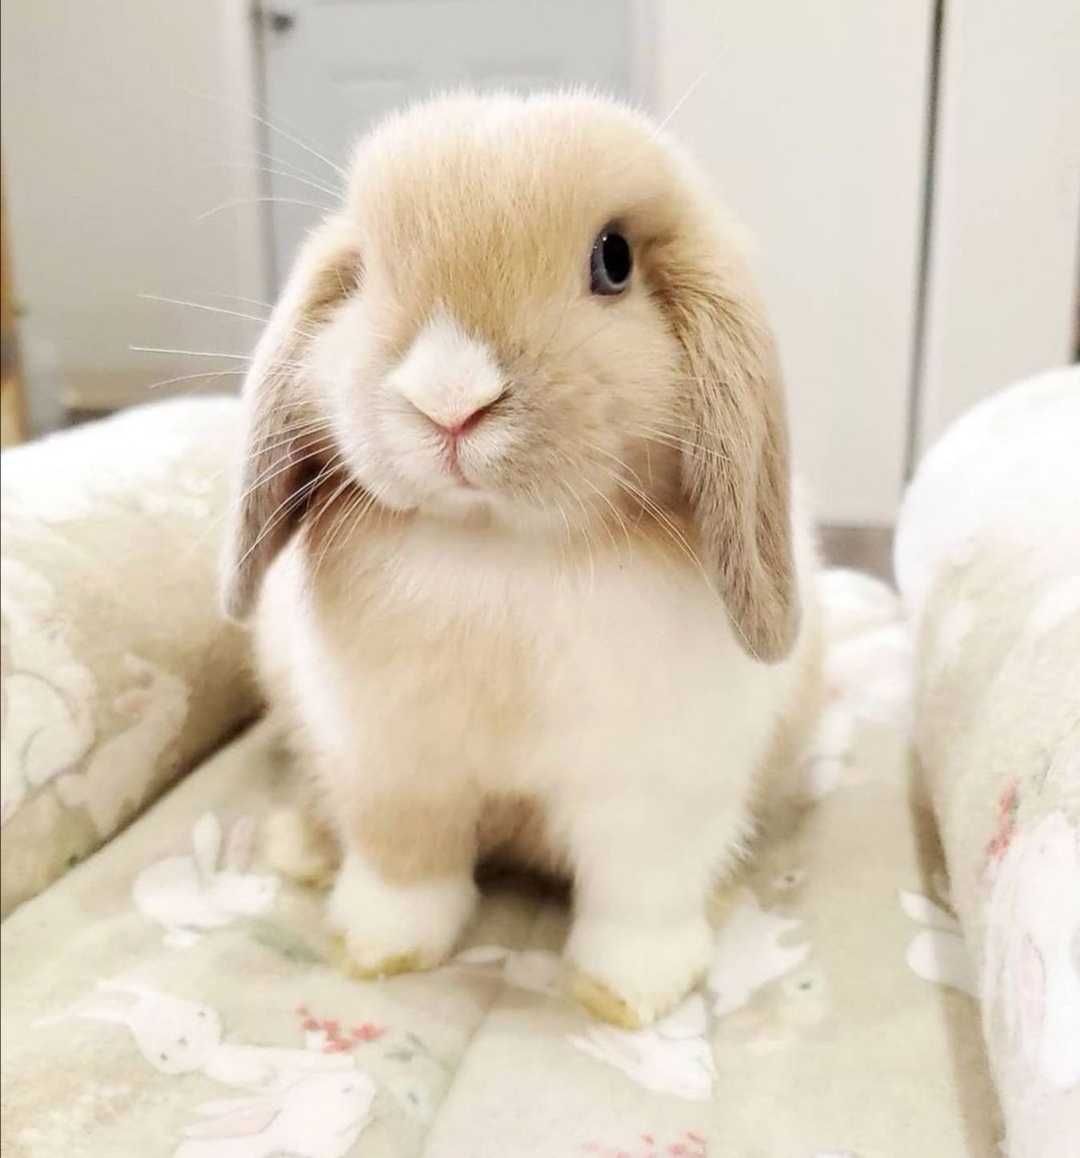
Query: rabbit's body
(494,701)
(446,667)
(543,597)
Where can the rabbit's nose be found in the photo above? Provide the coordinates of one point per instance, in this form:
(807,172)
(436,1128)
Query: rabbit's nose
(455,425)
(451,378)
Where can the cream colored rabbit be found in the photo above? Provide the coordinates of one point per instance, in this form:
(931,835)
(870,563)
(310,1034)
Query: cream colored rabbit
(517,443)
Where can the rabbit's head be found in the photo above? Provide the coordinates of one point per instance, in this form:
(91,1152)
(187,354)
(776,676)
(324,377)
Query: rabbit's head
(175,1036)
(528,316)
(180,1047)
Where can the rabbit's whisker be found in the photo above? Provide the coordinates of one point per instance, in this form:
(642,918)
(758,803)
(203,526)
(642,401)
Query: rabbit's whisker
(207,354)
(339,519)
(284,508)
(191,377)
(277,130)
(241,298)
(691,89)
(283,463)
(235,202)
(330,190)
(216,310)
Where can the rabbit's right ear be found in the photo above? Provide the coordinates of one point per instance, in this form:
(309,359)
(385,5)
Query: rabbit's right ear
(97,1008)
(283,439)
(206,845)
(240,845)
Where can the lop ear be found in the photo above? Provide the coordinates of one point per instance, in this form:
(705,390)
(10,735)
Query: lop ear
(735,468)
(285,447)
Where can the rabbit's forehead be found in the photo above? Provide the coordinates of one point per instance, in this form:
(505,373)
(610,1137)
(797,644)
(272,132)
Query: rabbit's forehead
(512,211)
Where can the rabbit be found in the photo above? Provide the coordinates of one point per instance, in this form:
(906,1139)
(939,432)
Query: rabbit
(320,1116)
(185,894)
(177,1036)
(516,535)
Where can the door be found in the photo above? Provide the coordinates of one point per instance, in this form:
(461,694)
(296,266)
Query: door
(1005,213)
(812,119)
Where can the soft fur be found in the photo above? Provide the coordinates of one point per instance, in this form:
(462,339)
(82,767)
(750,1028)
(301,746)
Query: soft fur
(522,649)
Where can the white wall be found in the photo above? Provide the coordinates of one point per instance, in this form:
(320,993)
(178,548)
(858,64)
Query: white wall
(1003,272)
(122,121)
(811,118)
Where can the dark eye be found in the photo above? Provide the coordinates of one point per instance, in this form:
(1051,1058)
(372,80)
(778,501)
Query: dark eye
(612,262)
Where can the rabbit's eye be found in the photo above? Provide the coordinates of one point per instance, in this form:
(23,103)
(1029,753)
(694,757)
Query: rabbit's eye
(611,263)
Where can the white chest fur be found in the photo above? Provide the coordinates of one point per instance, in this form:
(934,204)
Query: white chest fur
(608,691)
(458,655)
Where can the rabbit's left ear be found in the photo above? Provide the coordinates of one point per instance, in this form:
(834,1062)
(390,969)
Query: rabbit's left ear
(735,469)
(283,433)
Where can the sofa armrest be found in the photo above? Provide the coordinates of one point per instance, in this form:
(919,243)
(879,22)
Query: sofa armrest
(118,670)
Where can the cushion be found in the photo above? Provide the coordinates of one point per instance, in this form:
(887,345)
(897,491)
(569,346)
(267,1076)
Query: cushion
(988,558)
(118,672)
(197,1009)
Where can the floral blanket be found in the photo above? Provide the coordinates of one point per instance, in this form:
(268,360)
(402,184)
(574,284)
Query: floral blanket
(170,997)
(988,559)
(115,674)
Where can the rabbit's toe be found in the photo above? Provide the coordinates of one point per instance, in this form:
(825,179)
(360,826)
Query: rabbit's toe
(631,974)
(596,998)
(395,928)
(363,962)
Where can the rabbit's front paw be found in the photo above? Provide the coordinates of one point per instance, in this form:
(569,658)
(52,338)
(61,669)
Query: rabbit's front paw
(397,928)
(631,974)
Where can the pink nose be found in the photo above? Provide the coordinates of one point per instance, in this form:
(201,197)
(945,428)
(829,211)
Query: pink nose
(463,425)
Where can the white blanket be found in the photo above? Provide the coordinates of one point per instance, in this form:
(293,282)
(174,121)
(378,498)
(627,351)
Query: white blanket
(988,562)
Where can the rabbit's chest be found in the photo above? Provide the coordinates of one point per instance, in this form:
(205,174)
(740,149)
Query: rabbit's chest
(508,673)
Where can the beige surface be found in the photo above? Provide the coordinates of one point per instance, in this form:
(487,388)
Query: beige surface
(814,1036)
(989,562)
(118,672)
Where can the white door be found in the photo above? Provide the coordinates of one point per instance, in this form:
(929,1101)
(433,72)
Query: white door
(333,67)
(1005,225)
(812,119)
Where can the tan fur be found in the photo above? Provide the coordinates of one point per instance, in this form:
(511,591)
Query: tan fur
(577,375)
(449,643)
(284,432)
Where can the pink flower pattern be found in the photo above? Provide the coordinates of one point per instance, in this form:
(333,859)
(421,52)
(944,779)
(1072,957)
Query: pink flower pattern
(1007,808)
(689,1144)
(334,1039)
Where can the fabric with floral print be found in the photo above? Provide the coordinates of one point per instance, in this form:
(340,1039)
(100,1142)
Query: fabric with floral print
(199,1010)
(988,559)
(116,670)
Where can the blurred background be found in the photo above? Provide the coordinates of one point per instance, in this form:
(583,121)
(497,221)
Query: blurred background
(911,171)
